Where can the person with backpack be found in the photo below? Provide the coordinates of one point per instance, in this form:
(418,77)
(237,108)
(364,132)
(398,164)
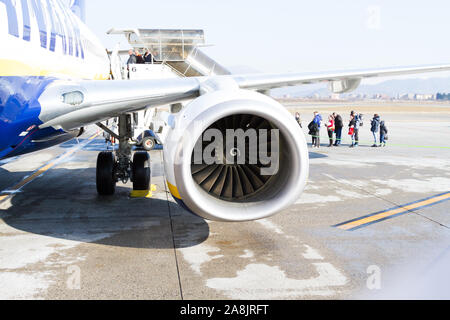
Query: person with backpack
(358,123)
(314,129)
(383,134)
(374,127)
(338,125)
(330,129)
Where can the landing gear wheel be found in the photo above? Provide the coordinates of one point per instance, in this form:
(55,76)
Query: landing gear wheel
(106,182)
(148,143)
(141,171)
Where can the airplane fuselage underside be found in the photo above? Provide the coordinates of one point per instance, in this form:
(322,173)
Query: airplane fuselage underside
(19,117)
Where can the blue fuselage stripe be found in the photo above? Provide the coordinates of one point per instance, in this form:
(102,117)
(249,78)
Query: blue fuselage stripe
(19,114)
(61,25)
(26,21)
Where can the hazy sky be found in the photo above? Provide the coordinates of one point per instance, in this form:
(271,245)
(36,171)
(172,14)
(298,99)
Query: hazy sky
(293,35)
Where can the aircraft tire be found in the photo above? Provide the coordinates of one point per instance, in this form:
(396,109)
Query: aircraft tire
(106,182)
(141,171)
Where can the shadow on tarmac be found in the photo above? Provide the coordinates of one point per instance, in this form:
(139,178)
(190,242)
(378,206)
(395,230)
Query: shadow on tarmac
(64,204)
(315,155)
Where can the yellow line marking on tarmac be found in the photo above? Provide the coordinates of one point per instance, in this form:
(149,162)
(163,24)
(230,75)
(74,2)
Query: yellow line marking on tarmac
(402,209)
(8,192)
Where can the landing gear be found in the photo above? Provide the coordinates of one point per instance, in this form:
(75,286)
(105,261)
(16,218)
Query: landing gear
(106,177)
(141,171)
(117,166)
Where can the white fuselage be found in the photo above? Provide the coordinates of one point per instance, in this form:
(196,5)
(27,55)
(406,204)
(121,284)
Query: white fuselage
(44,38)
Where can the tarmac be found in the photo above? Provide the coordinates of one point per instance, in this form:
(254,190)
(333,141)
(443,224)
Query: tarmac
(372,223)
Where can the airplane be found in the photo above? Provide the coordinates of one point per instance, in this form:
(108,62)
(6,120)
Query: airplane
(55,80)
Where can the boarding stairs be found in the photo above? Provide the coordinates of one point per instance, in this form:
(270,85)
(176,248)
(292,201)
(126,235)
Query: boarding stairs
(172,49)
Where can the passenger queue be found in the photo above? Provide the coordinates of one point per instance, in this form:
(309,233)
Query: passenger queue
(334,126)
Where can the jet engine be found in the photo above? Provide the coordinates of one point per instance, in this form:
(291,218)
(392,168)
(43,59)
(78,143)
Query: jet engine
(235,155)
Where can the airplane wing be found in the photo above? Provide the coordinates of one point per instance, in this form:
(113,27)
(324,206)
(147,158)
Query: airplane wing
(92,101)
(214,191)
(264,82)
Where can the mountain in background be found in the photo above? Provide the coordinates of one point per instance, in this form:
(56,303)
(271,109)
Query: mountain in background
(391,88)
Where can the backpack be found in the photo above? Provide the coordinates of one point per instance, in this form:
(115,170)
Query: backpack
(360,119)
(374,125)
(313,128)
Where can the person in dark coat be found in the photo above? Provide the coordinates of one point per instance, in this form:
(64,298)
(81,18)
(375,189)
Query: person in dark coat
(358,123)
(351,126)
(139,58)
(131,60)
(148,57)
(383,134)
(314,132)
(374,127)
(338,124)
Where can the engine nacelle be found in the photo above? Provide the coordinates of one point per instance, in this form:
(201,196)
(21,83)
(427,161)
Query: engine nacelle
(234,185)
(344,86)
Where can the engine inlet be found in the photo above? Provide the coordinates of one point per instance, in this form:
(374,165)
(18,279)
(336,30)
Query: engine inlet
(242,147)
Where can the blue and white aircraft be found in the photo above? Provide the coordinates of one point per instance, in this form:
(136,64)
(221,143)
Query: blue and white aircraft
(54,80)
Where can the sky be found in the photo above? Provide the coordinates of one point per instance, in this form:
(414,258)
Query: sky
(293,35)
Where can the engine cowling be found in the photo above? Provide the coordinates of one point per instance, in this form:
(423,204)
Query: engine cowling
(237,186)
